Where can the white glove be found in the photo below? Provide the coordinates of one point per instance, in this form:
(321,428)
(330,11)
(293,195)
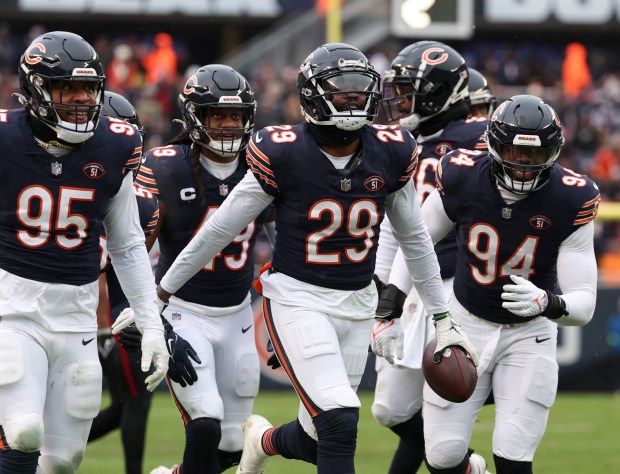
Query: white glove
(524,298)
(387,339)
(154,350)
(126,318)
(449,333)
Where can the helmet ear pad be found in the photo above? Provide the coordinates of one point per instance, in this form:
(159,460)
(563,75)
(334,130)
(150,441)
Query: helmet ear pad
(213,87)
(49,61)
(524,141)
(338,87)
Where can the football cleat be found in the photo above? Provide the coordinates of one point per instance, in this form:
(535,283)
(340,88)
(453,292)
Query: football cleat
(164,470)
(477,463)
(254,458)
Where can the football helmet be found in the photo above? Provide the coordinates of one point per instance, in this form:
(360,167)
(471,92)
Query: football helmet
(525,138)
(331,82)
(52,60)
(479,92)
(425,79)
(117,106)
(213,87)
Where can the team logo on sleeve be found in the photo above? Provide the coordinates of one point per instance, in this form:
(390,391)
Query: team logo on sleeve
(93,170)
(374,183)
(540,222)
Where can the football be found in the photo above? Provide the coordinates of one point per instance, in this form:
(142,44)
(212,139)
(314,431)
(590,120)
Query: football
(454,378)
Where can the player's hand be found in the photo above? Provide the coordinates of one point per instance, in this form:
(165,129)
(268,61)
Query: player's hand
(180,368)
(524,298)
(449,333)
(273,361)
(125,319)
(154,350)
(387,339)
(130,338)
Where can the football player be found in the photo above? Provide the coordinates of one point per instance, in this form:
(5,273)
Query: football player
(193,176)
(481,100)
(426,90)
(66,178)
(331,180)
(515,279)
(130,401)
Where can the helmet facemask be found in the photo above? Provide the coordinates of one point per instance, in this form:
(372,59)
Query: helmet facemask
(223,141)
(346,96)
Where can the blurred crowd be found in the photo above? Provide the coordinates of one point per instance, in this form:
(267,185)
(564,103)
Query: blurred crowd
(581,83)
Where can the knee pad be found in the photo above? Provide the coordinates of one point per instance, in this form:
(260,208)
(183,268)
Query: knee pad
(232,437)
(458,469)
(25,434)
(56,465)
(203,433)
(83,393)
(337,430)
(448,453)
(382,414)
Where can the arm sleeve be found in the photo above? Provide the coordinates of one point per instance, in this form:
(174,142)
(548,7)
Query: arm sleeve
(403,209)
(438,225)
(125,243)
(578,287)
(245,202)
(435,217)
(386,252)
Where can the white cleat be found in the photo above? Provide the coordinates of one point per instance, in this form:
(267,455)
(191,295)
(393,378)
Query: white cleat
(253,458)
(163,470)
(477,463)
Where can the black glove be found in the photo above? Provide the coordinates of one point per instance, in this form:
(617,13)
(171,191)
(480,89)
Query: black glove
(130,338)
(273,361)
(180,368)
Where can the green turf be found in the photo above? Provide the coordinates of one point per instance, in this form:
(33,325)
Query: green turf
(582,437)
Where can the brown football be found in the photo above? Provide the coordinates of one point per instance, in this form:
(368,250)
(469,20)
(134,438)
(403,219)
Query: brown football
(454,378)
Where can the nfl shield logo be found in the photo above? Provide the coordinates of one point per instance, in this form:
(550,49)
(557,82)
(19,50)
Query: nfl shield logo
(345,184)
(223,190)
(506,213)
(176,316)
(56,168)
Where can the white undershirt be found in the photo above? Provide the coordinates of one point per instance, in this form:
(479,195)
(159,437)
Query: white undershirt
(219,170)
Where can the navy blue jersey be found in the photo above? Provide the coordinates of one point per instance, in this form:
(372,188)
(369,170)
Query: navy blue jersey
(327,220)
(496,240)
(148,209)
(52,208)
(465,133)
(167,173)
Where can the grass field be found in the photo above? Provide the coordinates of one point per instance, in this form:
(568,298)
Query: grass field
(582,437)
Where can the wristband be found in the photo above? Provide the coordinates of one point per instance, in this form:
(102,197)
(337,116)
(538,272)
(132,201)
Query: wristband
(391,303)
(556,307)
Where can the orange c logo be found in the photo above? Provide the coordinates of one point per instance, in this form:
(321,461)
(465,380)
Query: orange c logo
(188,89)
(29,59)
(440,59)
